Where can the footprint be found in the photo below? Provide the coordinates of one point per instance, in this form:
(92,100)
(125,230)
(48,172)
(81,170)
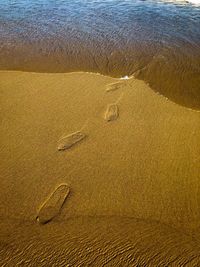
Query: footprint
(70,140)
(52,206)
(112,112)
(114,86)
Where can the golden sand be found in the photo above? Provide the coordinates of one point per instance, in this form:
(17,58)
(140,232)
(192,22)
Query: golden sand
(134,182)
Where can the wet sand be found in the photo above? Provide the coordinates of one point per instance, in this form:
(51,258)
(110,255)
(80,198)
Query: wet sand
(172,72)
(122,192)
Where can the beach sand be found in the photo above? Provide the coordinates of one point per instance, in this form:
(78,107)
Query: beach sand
(114,174)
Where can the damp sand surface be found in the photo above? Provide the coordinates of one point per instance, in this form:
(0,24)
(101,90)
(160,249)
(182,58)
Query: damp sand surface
(134,183)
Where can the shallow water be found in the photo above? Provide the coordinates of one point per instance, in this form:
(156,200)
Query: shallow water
(157,41)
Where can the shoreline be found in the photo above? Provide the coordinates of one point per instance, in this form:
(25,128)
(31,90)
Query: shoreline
(120,78)
(183,90)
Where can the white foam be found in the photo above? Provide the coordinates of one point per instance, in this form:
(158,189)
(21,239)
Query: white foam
(196,2)
(125,78)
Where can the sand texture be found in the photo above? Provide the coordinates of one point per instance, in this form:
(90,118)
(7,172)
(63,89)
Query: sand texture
(134,183)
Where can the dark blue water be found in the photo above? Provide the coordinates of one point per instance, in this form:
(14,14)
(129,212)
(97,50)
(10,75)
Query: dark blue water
(158,41)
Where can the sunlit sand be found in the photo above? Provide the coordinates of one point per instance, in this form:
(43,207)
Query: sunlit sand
(120,192)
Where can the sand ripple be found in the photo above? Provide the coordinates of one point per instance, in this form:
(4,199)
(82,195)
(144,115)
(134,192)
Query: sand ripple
(99,241)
